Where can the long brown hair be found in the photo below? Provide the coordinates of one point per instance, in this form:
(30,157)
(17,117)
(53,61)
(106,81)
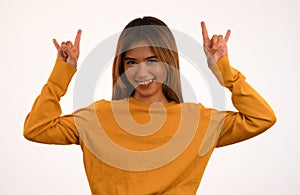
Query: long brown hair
(161,41)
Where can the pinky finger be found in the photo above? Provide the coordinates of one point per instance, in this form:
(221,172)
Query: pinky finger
(56,44)
(227,35)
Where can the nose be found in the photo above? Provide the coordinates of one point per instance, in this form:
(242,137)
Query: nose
(142,70)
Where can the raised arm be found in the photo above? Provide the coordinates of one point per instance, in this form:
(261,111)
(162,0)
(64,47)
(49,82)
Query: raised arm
(44,123)
(254,114)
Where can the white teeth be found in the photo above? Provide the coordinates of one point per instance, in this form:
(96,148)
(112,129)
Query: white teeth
(145,82)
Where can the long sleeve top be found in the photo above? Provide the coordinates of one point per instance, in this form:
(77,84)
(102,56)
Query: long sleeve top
(130,147)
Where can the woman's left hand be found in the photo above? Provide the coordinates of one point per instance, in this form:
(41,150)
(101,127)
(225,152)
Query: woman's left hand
(216,47)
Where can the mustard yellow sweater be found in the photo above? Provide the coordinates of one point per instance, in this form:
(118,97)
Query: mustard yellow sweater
(130,147)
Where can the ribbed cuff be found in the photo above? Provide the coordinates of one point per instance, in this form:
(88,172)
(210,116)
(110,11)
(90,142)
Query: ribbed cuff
(62,74)
(225,74)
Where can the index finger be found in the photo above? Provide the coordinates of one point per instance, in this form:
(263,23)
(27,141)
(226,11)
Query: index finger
(77,39)
(204,32)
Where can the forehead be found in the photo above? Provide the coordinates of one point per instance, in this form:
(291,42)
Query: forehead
(140,48)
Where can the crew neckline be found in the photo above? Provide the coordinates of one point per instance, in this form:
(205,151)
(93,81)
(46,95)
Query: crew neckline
(133,100)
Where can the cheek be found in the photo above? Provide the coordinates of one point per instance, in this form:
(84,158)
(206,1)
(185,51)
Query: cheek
(161,72)
(129,73)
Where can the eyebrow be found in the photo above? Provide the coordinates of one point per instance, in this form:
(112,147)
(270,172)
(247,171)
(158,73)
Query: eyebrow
(148,58)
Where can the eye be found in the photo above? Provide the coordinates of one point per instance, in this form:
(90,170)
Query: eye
(152,61)
(131,62)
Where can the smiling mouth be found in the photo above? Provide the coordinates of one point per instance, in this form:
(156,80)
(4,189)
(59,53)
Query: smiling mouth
(145,82)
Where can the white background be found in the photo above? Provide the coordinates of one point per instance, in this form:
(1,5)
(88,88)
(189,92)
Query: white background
(264,46)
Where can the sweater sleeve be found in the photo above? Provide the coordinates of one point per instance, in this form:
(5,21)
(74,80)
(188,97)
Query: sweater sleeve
(44,123)
(254,115)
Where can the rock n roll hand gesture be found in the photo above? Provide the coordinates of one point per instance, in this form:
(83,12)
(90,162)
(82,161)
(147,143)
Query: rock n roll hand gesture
(216,47)
(68,51)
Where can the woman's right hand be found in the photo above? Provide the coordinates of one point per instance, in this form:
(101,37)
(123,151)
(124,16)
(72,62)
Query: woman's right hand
(68,51)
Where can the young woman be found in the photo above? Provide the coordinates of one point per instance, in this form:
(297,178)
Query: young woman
(146,140)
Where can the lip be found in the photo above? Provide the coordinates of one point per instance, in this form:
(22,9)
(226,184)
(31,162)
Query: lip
(145,86)
(145,81)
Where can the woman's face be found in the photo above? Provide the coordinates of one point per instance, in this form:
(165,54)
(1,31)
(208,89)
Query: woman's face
(146,73)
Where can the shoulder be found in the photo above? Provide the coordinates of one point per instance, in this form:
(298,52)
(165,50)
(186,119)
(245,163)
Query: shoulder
(95,106)
(210,113)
